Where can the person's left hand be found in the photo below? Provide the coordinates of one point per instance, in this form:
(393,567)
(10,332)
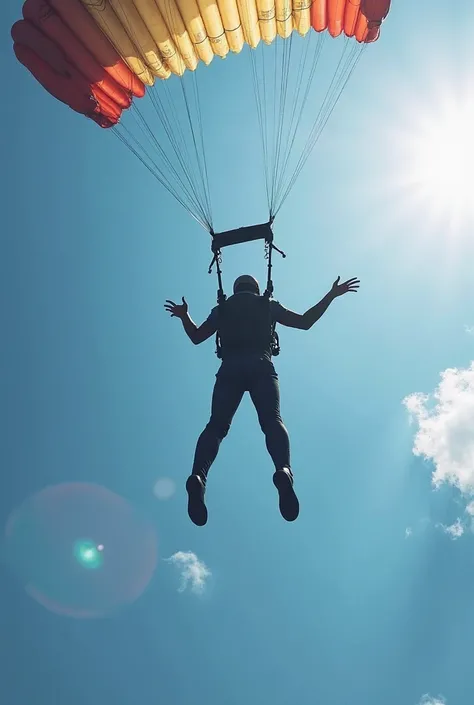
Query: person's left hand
(349,285)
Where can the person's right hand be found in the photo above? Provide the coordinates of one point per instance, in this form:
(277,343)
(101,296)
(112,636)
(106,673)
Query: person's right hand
(341,289)
(177,310)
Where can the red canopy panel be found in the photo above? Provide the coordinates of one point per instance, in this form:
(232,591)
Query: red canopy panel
(375,10)
(46,19)
(355,18)
(50,67)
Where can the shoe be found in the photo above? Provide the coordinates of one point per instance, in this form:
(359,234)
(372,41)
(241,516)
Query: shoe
(289,505)
(196,487)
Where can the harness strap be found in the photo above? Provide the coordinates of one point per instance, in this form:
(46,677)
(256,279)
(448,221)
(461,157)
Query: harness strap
(221,297)
(236,237)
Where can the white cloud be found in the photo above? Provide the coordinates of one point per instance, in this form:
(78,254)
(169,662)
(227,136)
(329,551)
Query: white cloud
(469,330)
(408,532)
(428,700)
(456,530)
(194,572)
(446,428)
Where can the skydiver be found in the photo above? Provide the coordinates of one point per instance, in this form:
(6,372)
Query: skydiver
(245,322)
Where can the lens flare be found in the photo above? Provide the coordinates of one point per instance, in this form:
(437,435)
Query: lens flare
(88,555)
(81,550)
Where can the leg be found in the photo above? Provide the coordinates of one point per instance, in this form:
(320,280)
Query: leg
(265,393)
(227,395)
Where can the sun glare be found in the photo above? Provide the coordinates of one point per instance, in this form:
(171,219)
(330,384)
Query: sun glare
(439,164)
(444,162)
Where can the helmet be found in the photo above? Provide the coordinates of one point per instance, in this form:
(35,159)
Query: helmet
(246,283)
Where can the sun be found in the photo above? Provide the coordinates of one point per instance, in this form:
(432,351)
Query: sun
(443,161)
(438,163)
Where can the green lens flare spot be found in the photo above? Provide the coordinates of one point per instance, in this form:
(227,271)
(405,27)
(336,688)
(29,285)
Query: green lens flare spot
(88,554)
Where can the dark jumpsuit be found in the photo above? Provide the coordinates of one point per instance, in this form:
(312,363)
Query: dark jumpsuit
(244,323)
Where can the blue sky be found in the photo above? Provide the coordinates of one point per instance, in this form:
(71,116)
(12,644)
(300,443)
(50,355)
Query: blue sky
(367,598)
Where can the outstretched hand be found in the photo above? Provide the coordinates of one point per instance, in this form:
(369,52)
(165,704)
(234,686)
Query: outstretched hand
(177,310)
(349,285)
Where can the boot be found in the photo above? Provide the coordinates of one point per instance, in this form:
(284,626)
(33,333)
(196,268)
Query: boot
(196,488)
(288,501)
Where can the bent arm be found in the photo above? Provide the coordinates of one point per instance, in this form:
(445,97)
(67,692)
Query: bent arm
(197,334)
(304,321)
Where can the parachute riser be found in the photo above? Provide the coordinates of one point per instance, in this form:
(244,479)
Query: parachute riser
(239,236)
(269,247)
(216,260)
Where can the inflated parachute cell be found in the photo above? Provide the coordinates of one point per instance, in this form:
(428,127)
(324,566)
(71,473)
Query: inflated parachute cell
(118,47)
(351,15)
(81,550)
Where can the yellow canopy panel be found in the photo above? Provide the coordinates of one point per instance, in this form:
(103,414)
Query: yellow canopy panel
(284,17)
(267,20)
(159,37)
(178,31)
(234,33)
(109,23)
(196,29)
(302,16)
(139,35)
(158,29)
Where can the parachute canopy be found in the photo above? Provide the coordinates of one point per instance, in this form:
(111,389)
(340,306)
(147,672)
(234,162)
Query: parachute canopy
(97,56)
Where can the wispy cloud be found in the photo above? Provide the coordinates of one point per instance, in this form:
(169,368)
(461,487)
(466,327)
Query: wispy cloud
(194,573)
(469,330)
(429,700)
(455,531)
(445,433)
(417,527)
